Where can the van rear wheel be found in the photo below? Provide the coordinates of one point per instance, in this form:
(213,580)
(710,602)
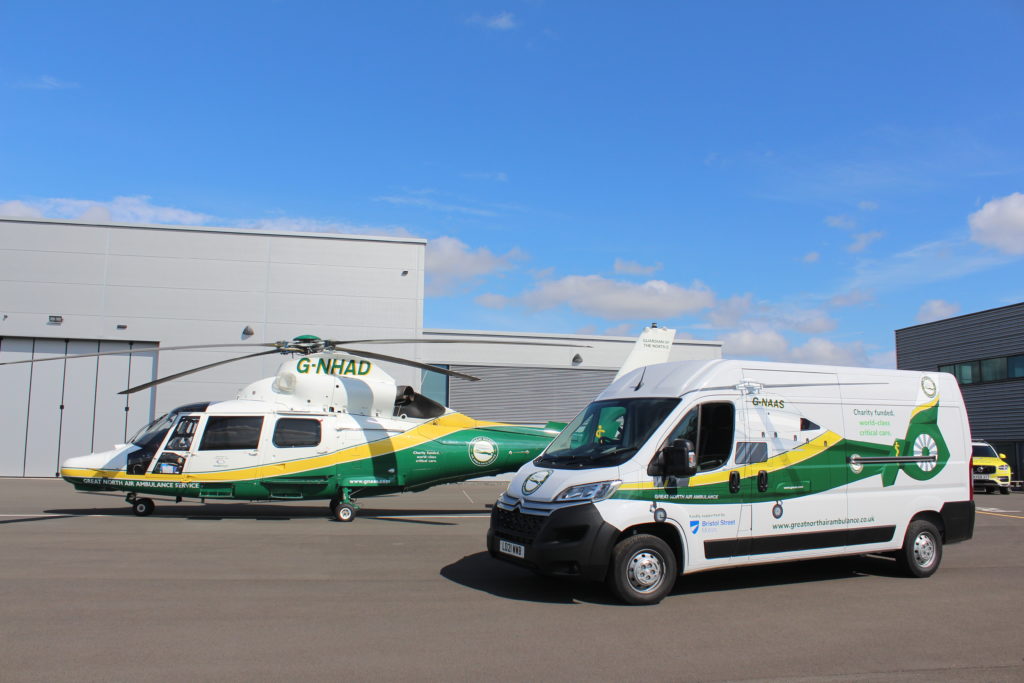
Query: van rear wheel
(922,549)
(642,570)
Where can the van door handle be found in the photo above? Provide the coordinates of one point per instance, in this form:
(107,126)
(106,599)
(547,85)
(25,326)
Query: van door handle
(762,481)
(734,481)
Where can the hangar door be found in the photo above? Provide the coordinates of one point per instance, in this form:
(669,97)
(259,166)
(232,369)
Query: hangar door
(525,395)
(54,410)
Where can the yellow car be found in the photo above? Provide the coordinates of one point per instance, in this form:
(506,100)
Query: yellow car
(988,469)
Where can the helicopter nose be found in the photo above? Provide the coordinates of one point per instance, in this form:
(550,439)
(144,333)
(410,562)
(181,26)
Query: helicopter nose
(107,460)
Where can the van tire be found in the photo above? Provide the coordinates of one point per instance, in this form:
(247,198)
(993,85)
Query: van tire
(1005,490)
(922,550)
(642,570)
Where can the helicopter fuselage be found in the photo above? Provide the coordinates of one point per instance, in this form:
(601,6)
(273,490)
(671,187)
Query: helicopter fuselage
(326,426)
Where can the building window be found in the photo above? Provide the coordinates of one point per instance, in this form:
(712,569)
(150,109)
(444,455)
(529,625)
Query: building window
(987,370)
(993,369)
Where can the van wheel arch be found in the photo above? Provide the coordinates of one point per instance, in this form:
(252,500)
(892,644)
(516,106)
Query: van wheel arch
(933,517)
(665,532)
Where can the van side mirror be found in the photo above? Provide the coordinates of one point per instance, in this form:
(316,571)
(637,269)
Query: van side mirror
(678,459)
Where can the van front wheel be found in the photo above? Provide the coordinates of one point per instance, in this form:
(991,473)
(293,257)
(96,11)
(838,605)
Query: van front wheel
(921,551)
(642,570)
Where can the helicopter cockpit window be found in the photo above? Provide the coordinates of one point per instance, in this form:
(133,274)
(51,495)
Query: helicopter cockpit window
(711,428)
(181,437)
(296,432)
(231,433)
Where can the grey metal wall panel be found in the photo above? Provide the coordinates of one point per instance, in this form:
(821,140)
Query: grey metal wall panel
(111,377)
(42,444)
(996,332)
(995,410)
(79,400)
(15,381)
(526,395)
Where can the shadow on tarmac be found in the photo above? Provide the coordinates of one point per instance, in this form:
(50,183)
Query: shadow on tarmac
(259,512)
(483,573)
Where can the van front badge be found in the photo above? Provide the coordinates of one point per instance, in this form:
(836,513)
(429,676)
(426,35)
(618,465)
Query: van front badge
(534,481)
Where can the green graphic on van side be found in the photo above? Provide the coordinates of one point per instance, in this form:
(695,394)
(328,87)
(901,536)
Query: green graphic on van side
(819,465)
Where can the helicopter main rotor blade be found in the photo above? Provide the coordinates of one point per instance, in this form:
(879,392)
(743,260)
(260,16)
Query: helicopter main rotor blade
(416,340)
(168,378)
(148,349)
(406,361)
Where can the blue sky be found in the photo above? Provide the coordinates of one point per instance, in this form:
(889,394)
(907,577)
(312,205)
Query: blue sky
(797,179)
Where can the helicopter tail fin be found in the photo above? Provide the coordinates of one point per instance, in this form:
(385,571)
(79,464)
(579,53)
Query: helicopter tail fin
(653,346)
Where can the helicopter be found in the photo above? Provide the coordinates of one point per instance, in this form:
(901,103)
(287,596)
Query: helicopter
(332,424)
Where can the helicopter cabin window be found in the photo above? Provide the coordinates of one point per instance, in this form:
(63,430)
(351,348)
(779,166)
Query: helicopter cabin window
(711,428)
(231,433)
(293,432)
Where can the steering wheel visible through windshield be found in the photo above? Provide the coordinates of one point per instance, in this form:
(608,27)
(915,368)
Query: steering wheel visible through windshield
(607,433)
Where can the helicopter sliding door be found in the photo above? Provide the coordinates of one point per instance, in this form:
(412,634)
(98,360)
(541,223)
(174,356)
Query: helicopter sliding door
(292,440)
(227,443)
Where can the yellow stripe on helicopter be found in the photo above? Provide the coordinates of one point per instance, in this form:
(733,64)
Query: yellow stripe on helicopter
(433,430)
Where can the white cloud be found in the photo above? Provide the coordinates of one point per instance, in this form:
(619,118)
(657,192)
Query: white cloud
(841,221)
(853,297)
(827,352)
(811,257)
(49,83)
(861,240)
(1000,224)
(496,176)
(730,312)
(758,344)
(623,267)
(936,309)
(18,209)
(614,299)
(867,205)
(923,264)
(623,330)
(119,210)
(503,21)
(140,210)
(451,264)
(495,301)
(433,205)
(883,359)
(284,223)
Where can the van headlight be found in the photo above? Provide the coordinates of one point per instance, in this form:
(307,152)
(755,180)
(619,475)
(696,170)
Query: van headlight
(593,492)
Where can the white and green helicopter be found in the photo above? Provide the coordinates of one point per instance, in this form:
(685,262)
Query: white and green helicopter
(331,424)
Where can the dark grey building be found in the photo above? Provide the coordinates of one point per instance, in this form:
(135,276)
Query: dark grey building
(985,351)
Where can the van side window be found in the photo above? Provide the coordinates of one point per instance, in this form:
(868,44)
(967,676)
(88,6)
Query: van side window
(231,433)
(749,452)
(807,426)
(296,432)
(711,427)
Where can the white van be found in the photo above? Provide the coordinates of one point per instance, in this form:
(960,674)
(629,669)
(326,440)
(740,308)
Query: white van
(683,467)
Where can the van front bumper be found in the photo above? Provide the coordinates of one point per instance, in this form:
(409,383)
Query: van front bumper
(571,541)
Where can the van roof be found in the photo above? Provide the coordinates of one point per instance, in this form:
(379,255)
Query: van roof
(682,377)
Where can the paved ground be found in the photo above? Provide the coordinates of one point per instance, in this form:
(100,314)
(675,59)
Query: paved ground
(232,592)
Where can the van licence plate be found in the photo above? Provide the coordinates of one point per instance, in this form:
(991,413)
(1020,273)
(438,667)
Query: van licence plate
(510,548)
(980,476)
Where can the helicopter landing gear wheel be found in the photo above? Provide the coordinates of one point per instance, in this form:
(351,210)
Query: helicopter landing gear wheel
(143,507)
(344,512)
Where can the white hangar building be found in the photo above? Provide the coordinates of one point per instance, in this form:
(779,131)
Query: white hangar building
(72,287)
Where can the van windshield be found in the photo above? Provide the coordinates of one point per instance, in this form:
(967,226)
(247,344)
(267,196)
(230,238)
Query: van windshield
(606,433)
